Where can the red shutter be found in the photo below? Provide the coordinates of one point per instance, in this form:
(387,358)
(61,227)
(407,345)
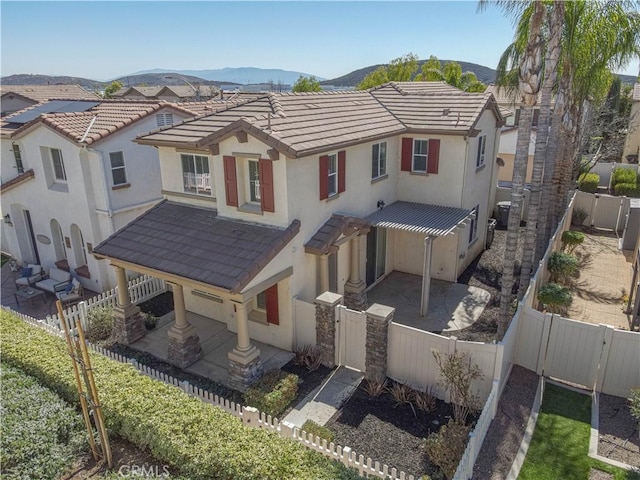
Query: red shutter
(324,177)
(231,181)
(271,295)
(267,200)
(342,168)
(407,154)
(434,156)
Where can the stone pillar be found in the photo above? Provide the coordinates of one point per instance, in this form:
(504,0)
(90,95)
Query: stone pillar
(184,343)
(426,276)
(323,277)
(378,319)
(128,324)
(326,326)
(355,290)
(245,365)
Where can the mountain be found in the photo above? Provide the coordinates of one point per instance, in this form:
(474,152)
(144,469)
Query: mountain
(165,78)
(243,75)
(484,74)
(35,79)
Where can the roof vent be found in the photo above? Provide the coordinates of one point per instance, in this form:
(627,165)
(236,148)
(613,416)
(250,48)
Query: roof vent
(445,111)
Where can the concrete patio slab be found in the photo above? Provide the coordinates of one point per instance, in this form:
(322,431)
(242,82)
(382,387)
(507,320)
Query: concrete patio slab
(324,401)
(452,306)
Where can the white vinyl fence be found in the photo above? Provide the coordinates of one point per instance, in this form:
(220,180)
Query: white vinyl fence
(304,323)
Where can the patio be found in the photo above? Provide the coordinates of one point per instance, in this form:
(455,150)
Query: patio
(452,306)
(216,342)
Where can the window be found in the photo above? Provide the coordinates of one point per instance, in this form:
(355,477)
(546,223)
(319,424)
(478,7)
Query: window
(18,156)
(261,301)
(482,141)
(118,173)
(473,226)
(333,175)
(163,119)
(195,174)
(420,155)
(254,182)
(379,160)
(58,165)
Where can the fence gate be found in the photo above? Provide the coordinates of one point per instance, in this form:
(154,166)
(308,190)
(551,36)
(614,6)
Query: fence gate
(607,212)
(352,336)
(573,351)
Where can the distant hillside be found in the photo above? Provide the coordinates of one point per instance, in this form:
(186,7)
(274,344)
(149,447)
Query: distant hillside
(35,79)
(484,74)
(242,75)
(166,78)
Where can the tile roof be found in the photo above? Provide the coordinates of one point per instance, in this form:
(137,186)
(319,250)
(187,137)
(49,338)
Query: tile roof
(23,177)
(299,124)
(195,243)
(420,218)
(636,92)
(41,93)
(330,231)
(95,124)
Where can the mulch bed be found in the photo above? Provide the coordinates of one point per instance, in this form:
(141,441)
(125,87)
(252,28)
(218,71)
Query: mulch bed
(376,428)
(618,431)
(159,305)
(307,381)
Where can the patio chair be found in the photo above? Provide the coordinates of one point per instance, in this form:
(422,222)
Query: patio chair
(69,293)
(55,279)
(31,274)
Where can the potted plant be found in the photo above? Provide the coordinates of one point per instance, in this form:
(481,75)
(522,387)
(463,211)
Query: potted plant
(578,216)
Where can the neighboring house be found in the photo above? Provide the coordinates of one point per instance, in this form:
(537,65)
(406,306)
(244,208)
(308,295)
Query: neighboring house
(632,144)
(507,151)
(19,97)
(169,93)
(291,195)
(69,180)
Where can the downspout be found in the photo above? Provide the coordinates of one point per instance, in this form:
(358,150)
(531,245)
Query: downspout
(464,179)
(105,186)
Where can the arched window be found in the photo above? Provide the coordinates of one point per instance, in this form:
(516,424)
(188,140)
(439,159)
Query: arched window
(77,244)
(58,240)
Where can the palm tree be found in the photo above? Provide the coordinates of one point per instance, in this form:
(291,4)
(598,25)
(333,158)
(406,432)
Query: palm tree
(432,70)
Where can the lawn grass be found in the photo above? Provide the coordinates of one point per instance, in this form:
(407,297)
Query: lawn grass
(560,444)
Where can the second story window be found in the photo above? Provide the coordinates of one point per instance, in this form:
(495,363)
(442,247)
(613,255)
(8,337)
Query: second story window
(195,174)
(420,155)
(379,160)
(118,173)
(18,157)
(482,142)
(254,181)
(58,165)
(333,175)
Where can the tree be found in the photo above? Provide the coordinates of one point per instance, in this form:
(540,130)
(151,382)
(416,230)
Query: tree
(451,73)
(112,88)
(401,69)
(307,84)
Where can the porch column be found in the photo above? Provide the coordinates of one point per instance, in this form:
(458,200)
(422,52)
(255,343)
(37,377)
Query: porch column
(245,366)
(128,324)
(355,295)
(426,276)
(184,343)
(324,274)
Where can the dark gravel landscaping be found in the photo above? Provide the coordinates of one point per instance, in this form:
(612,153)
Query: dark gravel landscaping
(376,428)
(159,305)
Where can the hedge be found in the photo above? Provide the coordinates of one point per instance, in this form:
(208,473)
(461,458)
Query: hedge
(198,440)
(623,175)
(588,182)
(627,189)
(273,393)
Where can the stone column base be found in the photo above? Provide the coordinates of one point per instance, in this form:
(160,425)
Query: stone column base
(355,296)
(245,368)
(184,349)
(128,324)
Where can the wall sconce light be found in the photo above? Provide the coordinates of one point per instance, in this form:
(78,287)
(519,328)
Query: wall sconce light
(7,219)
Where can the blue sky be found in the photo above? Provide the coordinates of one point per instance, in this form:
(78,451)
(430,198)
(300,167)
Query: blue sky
(104,40)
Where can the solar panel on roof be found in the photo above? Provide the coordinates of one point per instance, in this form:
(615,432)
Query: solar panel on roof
(54,106)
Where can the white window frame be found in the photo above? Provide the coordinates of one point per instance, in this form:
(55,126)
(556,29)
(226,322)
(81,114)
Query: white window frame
(117,167)
(17,155)
(480,156)
(194,182)
(332,173)
(415,156)
(253,186)
(53,166)
(378,160)
(473,226)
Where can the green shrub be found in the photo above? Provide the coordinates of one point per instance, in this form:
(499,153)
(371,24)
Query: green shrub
(578,216)
(100,324)
(555,298)
(446,447)
(273,393)
(588,182)
(571,239)
(318,430)
(198,440)
(627,189)
(623,175)
(563,267)
(150,320)
(41,434)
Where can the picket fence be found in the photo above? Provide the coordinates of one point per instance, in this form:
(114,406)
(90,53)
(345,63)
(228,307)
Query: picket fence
(249,416)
